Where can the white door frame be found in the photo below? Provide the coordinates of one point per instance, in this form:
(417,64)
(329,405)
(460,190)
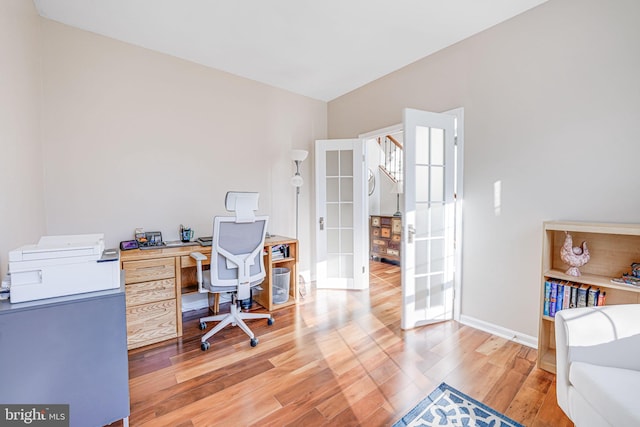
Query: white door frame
(459,187)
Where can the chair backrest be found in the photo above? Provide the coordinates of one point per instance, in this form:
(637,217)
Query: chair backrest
(238,242)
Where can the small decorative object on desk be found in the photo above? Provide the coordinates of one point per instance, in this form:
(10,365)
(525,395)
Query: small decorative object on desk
(574,256)
(186,233)
(140,236)
(149,239)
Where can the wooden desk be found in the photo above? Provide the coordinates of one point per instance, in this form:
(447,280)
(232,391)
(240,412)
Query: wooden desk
(156,279)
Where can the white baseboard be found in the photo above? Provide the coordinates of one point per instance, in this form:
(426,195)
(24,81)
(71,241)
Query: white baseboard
(509,334)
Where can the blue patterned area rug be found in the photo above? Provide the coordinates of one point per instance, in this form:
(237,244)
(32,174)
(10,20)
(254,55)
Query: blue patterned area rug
(446,406)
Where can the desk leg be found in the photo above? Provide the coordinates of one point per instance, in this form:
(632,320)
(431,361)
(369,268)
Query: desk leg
(215,305)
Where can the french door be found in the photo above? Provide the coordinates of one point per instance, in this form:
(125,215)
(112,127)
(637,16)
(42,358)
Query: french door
(428,253)
(341,219)
(431,220)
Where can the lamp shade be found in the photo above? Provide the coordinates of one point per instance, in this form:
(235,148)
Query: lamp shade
(397,188)
(299,155)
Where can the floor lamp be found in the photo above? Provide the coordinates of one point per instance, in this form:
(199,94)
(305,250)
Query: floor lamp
(397,189)
(298,157)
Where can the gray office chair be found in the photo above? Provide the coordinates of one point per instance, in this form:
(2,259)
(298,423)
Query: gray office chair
(237,263)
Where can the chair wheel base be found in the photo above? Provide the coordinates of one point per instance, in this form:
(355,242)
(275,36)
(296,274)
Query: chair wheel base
(203,326)
(204,346)
(254,342)
(270,321)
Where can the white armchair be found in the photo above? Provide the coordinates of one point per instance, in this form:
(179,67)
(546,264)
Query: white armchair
(598,365)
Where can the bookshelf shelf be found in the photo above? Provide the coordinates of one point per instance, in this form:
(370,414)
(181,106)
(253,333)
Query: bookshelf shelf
(613,248)
(591,279)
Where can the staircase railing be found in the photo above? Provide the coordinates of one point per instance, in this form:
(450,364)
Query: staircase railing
(391,161)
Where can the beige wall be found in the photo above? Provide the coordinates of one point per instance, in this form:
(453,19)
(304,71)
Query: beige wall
(552,101)
(134,138)
(131,138)
(21,203)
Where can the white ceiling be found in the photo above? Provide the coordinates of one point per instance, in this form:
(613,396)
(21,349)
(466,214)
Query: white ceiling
(321,49)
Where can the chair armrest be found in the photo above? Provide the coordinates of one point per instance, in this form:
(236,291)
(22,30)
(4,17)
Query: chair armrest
(199,258)
(606,336)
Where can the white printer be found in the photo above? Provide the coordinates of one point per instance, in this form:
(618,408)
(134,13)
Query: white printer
(62,265)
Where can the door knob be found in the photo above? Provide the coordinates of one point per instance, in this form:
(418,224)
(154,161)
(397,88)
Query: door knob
(411,231)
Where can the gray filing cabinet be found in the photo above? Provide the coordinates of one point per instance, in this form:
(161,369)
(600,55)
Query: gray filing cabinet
(68,350)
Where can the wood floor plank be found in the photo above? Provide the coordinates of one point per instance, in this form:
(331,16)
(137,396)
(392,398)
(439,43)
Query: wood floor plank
(352,391)
(296,391)
(504,391)
(255,405)
(475,375)
(525,405)
(337,358)
(491,345)
(550,414)
(190,394)
(311,418)
(380,417)
(367,405)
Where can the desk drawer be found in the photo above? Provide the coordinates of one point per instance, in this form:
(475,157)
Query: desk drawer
(149,323)
(147,270)
(146,292)
(396,225)
(393,252)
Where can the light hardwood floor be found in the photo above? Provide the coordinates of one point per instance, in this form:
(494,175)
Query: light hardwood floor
(337,358)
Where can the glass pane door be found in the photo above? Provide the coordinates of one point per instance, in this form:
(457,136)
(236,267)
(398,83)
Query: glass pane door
(339,191)
(427,270)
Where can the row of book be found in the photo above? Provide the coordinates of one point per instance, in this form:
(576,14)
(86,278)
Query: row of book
(561,294)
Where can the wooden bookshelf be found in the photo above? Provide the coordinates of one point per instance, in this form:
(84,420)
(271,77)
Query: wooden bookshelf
(613,248)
